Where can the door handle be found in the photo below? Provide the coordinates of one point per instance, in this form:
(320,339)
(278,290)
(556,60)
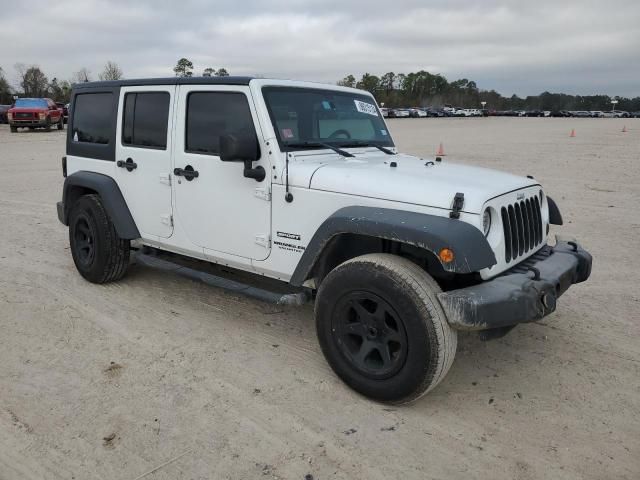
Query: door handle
(187,172)
(130,165)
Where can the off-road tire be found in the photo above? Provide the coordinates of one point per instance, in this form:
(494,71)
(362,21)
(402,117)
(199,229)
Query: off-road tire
(410,293)
(99,254)
(48,125)
(14,129)
(61,124)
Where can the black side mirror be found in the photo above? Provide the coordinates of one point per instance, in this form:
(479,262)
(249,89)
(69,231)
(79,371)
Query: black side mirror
(242,148)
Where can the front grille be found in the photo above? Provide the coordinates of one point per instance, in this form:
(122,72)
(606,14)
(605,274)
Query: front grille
(24,115)
(522,224)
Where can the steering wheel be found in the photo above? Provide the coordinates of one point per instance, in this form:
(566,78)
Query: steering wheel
(340,132)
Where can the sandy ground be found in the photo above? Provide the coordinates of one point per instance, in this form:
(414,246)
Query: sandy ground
(159,372)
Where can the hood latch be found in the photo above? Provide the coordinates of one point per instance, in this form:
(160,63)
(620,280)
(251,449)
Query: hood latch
(458,205)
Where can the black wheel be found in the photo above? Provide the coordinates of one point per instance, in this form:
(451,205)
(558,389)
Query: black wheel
(14,129)
(61,124)
(99,254)
(382,329)
(48,125)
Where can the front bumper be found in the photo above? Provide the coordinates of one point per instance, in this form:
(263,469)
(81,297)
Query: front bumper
(526,293)
(28,122)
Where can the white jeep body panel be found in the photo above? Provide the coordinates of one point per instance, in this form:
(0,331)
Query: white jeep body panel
(226,218)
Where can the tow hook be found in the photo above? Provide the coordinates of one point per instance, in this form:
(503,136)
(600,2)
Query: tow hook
(549,301)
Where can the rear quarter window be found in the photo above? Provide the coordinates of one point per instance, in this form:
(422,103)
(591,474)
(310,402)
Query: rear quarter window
(92,123)
(92,118)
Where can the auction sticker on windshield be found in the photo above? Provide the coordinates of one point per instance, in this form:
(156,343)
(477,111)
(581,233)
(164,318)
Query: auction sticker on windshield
(367,108)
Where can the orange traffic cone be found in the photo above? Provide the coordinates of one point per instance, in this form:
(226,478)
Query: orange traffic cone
(624,129)
(573,132)
(440,151)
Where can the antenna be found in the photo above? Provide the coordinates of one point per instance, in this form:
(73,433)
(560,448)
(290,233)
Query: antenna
(287,196)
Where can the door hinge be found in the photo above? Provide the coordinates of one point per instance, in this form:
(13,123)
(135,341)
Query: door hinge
(263,193)
(165,178)
(263,240)
(167,219)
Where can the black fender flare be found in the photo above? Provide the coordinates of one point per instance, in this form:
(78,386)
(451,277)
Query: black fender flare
(79,183)
(555,217)
(471,250)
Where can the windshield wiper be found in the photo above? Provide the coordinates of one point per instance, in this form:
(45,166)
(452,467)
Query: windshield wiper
(318,144)
(365,143)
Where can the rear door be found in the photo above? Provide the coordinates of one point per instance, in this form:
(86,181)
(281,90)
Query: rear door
(143,156)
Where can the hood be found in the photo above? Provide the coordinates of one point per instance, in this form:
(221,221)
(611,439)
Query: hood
(414,180)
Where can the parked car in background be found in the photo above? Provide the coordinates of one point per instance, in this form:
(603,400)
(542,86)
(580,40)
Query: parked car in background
(560,113)
(417,112)
(534,113)
(620,114)
(34,113)
(580,114)
(3,113)
(439,112)
(385,112)
(399,113)
(65,110)
(635,114)
(597,113)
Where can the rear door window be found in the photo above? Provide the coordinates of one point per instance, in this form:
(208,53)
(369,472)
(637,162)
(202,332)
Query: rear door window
(145,119)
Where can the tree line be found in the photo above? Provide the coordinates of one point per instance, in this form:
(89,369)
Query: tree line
(184,68)
(31,81)
(394,90)
(421,89)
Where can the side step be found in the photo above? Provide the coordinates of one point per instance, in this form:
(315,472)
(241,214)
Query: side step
(295,299)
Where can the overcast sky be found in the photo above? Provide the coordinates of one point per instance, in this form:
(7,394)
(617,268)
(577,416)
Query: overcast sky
(522,47)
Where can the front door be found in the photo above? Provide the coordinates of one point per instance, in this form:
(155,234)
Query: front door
(219,209)
(143,156)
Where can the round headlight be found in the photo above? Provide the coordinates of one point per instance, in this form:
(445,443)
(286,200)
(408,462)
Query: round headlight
(486,222)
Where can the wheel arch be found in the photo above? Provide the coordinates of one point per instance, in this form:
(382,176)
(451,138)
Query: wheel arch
(357,230)
(85,183)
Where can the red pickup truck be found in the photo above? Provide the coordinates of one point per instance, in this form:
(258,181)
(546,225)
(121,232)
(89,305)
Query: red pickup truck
(35,113)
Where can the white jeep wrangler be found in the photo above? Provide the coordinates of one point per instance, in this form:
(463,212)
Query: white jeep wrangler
(302,183)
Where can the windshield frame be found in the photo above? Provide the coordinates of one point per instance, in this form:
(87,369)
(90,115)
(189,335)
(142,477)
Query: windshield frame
(283,143)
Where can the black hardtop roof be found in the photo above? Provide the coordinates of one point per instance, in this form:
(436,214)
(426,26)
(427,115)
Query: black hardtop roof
(167,81)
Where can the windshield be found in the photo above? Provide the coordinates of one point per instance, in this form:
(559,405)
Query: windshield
(31,103)
(308,117)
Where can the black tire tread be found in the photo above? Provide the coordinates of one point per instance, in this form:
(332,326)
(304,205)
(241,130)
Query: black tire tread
(424,289)
(117,250)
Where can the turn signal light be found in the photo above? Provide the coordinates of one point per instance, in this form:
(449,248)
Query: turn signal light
(42,115)
(446,255)
(9,116)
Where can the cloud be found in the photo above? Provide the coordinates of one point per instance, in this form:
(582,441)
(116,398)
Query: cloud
(575,46)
